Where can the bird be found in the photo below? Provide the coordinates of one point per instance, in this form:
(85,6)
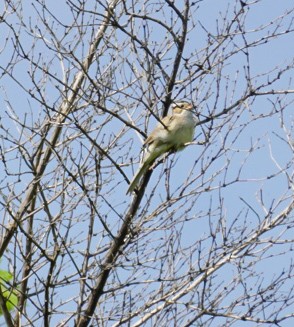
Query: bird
(171,134)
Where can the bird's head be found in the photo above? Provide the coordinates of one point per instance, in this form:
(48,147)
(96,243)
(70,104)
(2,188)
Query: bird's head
(179,106)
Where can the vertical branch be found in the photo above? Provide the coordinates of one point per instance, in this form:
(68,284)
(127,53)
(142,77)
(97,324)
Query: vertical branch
(27,265)
(180,42)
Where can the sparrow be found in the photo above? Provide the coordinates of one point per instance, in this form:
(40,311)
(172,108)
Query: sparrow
(171,134)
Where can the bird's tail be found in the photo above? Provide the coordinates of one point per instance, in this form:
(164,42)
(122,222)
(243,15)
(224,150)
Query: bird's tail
(137,177)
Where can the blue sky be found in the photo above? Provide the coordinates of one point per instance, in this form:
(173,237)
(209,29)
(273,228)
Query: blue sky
(260,184)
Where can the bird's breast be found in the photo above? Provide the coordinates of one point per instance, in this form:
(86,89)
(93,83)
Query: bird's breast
(183,130)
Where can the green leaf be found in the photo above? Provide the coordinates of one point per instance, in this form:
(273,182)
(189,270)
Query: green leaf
(5,276)
(9,294)
(10,298)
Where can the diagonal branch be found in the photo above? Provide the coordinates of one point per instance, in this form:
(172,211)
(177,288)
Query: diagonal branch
(118,242)
(171,298)
(65,108)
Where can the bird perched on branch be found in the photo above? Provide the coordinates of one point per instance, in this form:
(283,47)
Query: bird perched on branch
(171,134)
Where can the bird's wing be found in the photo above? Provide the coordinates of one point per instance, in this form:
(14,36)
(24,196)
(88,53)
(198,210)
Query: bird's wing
(165,122)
